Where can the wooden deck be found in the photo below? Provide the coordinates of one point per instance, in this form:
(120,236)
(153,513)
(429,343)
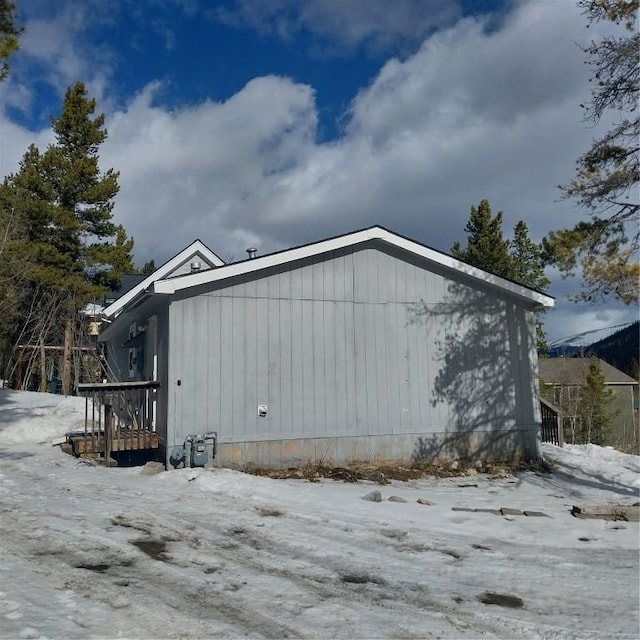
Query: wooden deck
(93,444)
(119,416)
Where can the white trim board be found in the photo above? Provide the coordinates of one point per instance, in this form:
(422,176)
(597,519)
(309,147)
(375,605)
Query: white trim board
(179,283)
(196,248)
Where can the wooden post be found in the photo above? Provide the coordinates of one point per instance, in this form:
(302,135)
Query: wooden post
(43,368)
(66,358)
(108,418)
(20,373)
(93,421)
(560,430)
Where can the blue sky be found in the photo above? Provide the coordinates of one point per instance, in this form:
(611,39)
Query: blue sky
(277,122)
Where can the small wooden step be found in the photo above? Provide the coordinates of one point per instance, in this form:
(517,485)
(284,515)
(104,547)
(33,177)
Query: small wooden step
(136,440)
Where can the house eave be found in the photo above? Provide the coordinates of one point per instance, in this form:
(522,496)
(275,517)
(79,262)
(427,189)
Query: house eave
(172,285)
(140,298)
(116,307)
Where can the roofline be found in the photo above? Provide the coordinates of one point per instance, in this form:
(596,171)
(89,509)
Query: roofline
(171,285)
(197,245)
(584,359)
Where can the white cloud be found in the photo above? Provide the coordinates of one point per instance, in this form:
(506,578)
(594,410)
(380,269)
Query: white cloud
(14,141)
(56,52)
(205,169)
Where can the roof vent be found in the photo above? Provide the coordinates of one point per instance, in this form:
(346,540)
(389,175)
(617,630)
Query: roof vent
(195,266)
(252,252)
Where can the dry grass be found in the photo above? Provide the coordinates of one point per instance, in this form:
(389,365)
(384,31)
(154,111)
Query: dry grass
(384,473)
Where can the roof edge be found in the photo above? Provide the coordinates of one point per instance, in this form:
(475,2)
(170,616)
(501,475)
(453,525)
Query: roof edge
(170,286)
(196,246)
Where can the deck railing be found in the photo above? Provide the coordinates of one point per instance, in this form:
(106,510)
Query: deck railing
(551,430)
(119,416)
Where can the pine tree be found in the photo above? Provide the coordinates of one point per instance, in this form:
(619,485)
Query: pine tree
(527,266)
(9,32)
(519,259)
(64,204)
(606,246)
(528,269)
(149,267)
(486,248)
(593,412)
(84,196)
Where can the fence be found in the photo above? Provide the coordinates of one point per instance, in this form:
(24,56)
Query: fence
(551,429)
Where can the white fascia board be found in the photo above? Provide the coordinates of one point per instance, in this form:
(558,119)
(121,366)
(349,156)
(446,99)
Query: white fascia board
(457,265)
(179,283)
(172,285)
(196,247)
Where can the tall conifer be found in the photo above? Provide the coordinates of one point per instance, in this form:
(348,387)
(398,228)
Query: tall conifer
(519,259)
(64,204)
(486,248)
(594,414)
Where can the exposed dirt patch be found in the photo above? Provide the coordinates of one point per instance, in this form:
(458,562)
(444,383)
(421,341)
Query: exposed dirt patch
(382,474)
(361,578)
(131,523)
(501,600)
(154,548)
(100,567)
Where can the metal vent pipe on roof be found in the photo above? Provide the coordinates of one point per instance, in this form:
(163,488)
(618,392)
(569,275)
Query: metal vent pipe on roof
(252,252)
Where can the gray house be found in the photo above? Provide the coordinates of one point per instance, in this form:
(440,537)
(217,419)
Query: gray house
(367,347)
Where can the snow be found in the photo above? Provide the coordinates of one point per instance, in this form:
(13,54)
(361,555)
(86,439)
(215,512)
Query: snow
(30,417)
(95,552)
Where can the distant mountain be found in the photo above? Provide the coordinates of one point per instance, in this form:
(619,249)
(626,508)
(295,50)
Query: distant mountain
(620,349)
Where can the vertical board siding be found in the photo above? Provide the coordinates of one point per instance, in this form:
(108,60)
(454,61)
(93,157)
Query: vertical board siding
(355,344)
(281,357)
(236,365)
(224,355)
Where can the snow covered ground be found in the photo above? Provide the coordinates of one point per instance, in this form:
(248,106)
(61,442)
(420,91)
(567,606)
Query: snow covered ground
(94,552)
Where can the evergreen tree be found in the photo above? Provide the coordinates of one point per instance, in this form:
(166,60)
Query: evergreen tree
(63,204)
(148,268)
(14,264)
(527,263)
(528,269)
(486,248)
(593,412)
(84,196)
(519,259)
(605,185)
(9,32)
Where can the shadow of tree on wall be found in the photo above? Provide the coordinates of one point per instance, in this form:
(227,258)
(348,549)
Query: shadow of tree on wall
(481,350)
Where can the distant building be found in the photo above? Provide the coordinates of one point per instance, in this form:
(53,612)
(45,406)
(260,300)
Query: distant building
(561,381)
